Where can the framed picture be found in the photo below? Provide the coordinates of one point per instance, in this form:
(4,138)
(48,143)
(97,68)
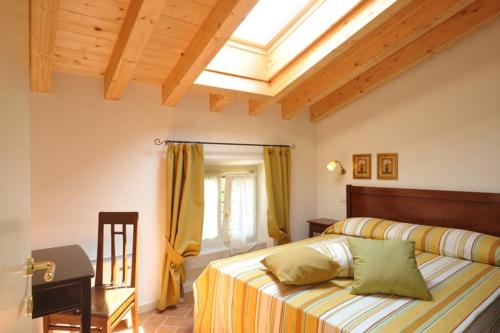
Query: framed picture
(362,166)
(387,166)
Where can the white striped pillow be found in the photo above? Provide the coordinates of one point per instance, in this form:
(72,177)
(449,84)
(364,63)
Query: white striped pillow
(338,250)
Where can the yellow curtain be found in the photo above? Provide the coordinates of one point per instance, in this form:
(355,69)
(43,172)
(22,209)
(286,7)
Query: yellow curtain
(184,216)
(277,163)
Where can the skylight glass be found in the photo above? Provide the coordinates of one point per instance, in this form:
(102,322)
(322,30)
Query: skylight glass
(267,19)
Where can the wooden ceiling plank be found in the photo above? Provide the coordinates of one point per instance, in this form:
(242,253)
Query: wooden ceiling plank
(187,11)
(42,43)
(68,67)
(211,37)
(84,58)
(398,31)
(173,27)
(87,25)
(150,73)
(434,41)
(217,103)
(210,3)
(166,59)
(84,43)
(147,79)
(137,27)
(111,11)
(164,43)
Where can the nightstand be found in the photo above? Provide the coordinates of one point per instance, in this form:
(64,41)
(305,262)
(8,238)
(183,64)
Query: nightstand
(319,225)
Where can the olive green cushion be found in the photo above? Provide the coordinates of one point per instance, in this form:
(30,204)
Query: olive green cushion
(387,267)
(302,265)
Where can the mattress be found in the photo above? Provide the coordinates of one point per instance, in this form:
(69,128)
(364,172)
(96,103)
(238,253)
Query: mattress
(237,294)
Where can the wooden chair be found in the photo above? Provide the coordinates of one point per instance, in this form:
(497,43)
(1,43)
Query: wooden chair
(112,301)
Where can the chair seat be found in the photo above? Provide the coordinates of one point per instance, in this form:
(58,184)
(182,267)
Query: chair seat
(106,300)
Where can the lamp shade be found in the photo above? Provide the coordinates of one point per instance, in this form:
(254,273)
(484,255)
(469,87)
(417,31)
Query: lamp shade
(331,166)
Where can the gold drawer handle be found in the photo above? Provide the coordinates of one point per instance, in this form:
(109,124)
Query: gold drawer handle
(32,266)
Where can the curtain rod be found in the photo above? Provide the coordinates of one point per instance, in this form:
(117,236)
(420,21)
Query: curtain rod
(159,142)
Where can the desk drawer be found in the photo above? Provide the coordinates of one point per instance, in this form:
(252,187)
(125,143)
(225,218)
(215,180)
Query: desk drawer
(56,299)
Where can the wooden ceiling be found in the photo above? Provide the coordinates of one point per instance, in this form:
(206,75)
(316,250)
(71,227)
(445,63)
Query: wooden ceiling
(184,45)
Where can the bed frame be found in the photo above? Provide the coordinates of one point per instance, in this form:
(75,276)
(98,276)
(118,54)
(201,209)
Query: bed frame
(464,210)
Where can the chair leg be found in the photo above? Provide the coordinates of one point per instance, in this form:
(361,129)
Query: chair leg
(46,324)
(135,318)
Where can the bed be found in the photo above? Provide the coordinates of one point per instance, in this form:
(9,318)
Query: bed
(238,294)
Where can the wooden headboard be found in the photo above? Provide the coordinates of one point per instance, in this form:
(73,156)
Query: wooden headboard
(464,210)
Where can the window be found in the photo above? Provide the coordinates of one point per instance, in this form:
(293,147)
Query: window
(267,20)
(230,210)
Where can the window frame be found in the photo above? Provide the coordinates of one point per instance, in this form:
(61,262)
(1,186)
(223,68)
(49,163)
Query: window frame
(221,172)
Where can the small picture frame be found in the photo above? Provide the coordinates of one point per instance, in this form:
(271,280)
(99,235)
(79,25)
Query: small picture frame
(362,166)
(387,166)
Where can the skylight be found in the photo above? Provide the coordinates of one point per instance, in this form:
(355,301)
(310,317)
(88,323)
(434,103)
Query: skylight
(267,20)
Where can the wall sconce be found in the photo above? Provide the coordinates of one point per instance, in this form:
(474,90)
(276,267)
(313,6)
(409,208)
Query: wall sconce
(331,166)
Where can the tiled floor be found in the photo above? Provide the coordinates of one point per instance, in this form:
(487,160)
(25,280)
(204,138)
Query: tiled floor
(177,319)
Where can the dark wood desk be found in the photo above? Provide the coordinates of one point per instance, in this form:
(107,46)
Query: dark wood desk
(70,287)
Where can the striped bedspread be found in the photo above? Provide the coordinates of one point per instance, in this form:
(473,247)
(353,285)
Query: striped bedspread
(238,295)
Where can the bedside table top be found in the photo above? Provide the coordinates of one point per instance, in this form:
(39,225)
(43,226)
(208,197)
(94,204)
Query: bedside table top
(322,221)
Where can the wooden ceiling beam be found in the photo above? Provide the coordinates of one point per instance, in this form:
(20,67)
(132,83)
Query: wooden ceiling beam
(218,103)
(138,25)
(462,23)
(398,31)
(42,43)
(257,106)
(224,84)
(218,27)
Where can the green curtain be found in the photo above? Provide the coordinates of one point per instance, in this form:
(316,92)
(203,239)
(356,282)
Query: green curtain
(184,216)
(277,163)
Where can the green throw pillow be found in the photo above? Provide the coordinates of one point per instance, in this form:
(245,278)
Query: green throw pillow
(302,265)
(387,267)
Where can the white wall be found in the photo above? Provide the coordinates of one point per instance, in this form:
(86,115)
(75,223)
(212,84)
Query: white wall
(442,117)
(91,155)
(14,164)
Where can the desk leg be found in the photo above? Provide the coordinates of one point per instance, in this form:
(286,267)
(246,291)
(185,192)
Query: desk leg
(85,315)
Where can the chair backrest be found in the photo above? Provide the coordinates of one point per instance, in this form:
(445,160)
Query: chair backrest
(119,223)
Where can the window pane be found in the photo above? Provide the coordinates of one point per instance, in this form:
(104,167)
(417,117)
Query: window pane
(267,19)
(242,221)
(211,214)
